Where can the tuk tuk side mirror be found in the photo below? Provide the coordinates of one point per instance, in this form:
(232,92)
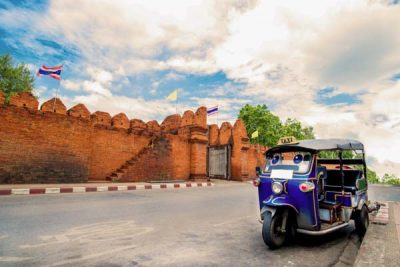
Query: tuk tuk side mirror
(258,171)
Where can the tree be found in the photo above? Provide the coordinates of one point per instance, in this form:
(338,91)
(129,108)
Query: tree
(14,79)
(293,127)
(269,126)
(390,179)
(373,178)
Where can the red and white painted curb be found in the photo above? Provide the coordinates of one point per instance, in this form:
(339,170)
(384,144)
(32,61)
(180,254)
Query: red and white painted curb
(103,188)
(382,217)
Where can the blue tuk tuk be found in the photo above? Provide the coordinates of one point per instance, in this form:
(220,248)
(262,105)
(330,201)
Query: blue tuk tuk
(299,192)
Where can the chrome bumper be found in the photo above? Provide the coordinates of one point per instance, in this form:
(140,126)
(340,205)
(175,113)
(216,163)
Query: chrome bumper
(323,232)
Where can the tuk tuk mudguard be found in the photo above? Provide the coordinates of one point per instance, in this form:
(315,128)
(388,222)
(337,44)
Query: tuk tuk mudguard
(305,204)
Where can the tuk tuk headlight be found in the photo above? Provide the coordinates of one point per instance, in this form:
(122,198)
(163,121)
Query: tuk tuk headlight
(277,187)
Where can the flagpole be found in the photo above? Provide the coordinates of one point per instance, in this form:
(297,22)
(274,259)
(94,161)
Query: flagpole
(55,98)
(58,88)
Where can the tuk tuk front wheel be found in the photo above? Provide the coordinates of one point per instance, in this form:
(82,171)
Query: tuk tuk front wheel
(273,234)
(361,221)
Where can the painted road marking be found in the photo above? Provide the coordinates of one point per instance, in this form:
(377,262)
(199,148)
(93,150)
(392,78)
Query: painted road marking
(90,235)
(52,190)
(20,191)
(84,189)
(14,259)
(79,189)
(102,188)
(122,188)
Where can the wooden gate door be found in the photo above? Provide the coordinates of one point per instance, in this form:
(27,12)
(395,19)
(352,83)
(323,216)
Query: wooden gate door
(219,159)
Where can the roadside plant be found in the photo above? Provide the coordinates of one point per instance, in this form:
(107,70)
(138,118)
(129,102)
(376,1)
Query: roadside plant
(14,78)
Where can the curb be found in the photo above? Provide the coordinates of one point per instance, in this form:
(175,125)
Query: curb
(88,189)
(382,216)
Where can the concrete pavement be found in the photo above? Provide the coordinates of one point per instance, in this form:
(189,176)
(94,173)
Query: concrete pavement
(381,244)
(213,226)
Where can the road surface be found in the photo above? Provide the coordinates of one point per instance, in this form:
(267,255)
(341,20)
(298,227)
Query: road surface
(214,226)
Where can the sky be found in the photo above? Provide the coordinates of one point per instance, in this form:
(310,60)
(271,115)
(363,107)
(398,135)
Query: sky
(333,65)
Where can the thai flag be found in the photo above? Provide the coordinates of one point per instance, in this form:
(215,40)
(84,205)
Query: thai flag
(54,72)
(212,111)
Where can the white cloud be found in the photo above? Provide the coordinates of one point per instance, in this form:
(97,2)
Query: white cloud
(173,76)
(282,51)
(72,85)
(133,107)
(39,91)
(96,88)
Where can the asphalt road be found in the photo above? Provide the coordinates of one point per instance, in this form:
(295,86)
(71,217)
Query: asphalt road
(187,227)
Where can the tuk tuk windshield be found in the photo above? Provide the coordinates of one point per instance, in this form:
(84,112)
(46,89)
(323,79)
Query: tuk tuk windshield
(298,162)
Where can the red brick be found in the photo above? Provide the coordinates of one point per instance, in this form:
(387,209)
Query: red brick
(54,105)
(79,111)
(225,133)
(24,100)
(171,123)
(187,118)
(41,147)
(213,133)
(200,117)
(101,118)
(240,148)
(153,126)
(2,98)
(120,121)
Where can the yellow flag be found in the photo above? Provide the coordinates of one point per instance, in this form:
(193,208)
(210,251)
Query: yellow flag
(255,134)
(173,96)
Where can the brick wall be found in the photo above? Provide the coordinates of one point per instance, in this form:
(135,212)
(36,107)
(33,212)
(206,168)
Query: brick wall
(38,147)
(255,158)
(53,144)
(153,164)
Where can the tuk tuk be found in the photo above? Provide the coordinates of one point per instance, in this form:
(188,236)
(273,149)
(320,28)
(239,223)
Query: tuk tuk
(299,192)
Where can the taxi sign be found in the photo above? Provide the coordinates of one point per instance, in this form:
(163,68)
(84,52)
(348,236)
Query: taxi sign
(287,140)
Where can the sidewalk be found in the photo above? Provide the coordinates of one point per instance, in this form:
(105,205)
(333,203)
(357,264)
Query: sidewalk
(381,244)
(34,189)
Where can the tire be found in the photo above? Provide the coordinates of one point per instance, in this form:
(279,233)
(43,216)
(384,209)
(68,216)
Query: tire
(271,233)
(361,221)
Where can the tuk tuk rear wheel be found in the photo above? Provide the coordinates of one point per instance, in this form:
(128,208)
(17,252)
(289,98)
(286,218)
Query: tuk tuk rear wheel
(361,221)
(273,234)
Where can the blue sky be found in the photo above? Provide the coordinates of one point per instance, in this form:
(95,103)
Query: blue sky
(321,62)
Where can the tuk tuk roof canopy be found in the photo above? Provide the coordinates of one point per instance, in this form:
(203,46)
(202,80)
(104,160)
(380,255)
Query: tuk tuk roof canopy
(320,144)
